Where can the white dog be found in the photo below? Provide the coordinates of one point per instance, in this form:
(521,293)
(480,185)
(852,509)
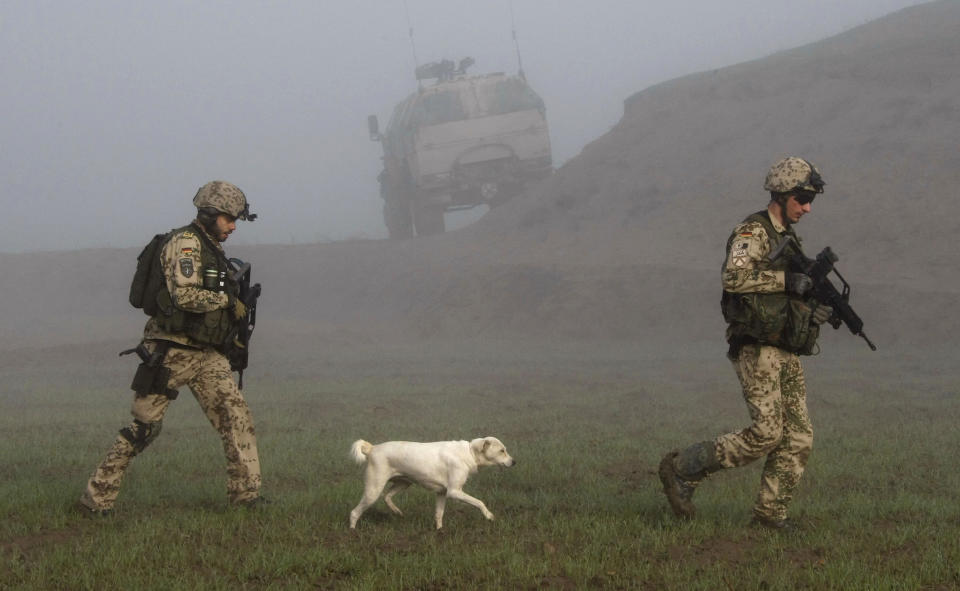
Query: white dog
(442,467)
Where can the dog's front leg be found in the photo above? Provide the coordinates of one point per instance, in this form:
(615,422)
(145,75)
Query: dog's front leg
(441,504)
(465,498)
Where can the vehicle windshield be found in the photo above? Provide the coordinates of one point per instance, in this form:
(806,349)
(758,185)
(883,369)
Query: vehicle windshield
(507,96)
(483,100)
(439,107)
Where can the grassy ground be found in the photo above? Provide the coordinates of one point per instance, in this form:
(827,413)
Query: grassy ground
(879,506)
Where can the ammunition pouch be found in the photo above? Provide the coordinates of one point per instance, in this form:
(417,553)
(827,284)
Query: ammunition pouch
(800,332)
(211,328)
(208,328)
(775,319)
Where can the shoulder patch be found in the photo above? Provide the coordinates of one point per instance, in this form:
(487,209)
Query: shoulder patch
(739,250)
(188,234)
(186,267)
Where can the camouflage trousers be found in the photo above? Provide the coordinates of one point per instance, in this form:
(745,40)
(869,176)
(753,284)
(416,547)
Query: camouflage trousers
(776,397)
(207,373)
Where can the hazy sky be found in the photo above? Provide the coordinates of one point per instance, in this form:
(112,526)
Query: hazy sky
(115,112)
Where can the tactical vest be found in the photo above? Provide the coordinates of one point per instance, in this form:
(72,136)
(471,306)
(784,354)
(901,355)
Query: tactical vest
(213,328)
(778,319)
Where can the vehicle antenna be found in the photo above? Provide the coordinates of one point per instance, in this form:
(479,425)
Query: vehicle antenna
(513,27)
(413,46)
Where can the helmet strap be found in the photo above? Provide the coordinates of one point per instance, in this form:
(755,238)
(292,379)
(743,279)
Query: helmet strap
(780,199)
(207,216)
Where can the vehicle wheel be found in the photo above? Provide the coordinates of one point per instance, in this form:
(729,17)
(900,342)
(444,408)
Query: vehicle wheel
(428,220)
(396,208)
(396,215)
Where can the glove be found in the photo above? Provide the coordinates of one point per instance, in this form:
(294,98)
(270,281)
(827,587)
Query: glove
(821,314)
(239,310)
(798,283)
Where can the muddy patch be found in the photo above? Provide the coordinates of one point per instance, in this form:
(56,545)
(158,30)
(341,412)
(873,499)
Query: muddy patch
(716,551)
(26,545)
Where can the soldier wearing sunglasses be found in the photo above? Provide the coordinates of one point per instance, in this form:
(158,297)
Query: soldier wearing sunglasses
(770,325)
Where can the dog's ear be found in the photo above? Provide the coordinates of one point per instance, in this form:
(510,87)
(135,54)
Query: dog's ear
(479,446)
(486,445)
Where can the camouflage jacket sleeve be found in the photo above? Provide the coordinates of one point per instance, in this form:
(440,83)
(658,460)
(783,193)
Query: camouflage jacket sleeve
(746,269)
(183,268)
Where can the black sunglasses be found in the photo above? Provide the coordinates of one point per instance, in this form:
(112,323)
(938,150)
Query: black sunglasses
(804,197)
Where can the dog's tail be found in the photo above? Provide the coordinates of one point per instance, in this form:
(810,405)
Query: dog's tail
(359,450)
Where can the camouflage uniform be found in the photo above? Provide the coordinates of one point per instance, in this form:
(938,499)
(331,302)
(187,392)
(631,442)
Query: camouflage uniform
(771,377)
(773,386)
(200,367)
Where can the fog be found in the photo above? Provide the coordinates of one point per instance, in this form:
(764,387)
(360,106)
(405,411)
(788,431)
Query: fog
(114,113)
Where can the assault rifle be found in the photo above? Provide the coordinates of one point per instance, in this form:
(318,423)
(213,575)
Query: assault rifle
(238,350)
(823,289)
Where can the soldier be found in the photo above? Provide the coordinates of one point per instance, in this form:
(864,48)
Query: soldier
(185,342)
(769,325)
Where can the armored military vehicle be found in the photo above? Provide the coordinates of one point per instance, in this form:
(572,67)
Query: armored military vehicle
(463,141)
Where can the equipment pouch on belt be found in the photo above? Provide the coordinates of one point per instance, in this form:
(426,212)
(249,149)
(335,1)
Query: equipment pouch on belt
(152,376)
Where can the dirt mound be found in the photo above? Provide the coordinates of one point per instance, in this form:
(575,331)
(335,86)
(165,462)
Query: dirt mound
(625,241)
(876,108)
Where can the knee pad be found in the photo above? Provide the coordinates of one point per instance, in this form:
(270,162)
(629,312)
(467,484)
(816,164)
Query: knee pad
(141,434)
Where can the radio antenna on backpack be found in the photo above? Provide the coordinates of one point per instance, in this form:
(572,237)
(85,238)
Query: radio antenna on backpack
(516,43)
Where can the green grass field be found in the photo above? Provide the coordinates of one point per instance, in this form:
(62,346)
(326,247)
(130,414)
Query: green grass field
(879,506)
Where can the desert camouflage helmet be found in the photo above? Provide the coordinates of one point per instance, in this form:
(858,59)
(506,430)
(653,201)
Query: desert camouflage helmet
(225,198)
(793,174)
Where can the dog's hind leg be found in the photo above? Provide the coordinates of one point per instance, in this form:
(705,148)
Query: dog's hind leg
(441,505)
(393,487)
(372,487)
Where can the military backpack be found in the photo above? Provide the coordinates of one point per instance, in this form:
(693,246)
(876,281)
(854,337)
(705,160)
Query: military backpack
(148,279)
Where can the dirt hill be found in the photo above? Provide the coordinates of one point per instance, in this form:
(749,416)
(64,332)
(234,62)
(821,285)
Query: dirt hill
(625,241)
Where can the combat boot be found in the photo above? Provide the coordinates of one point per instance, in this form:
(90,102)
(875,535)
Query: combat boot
(679,491)
(681,472)
(779,525)
(256,503)
(92,512)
